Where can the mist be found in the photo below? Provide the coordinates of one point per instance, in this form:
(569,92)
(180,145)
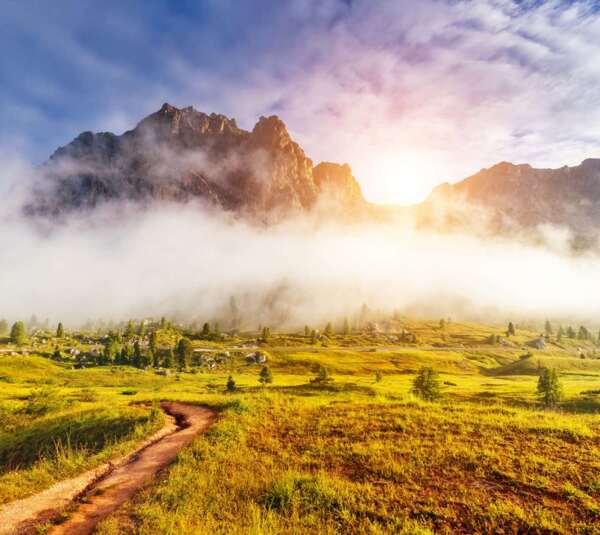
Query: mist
(187,262)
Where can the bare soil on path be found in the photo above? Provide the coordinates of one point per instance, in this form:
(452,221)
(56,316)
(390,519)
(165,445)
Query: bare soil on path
(105,493)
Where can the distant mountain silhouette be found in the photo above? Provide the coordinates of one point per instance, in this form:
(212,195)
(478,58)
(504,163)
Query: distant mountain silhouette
(511,197)
(183,154)
(178,155)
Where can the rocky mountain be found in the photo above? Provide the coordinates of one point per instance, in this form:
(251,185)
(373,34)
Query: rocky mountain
(508,196)
(178,155)
(184,154)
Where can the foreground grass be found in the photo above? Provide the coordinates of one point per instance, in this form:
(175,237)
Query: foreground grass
(64,444)
(283,464)
(353,456)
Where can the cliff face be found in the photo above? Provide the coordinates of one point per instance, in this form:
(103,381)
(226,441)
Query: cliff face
(182,154)
(520,196)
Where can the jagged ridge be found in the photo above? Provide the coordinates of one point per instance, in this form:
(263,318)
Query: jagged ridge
(182,154)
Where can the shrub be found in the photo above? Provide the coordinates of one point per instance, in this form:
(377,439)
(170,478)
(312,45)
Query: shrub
(43,401)
(322,376)
(231,386)
(266,377)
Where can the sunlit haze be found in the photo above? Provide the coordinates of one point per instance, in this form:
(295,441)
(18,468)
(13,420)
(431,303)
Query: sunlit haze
(410,94)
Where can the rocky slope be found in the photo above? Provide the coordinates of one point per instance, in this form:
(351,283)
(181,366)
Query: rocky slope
(183,154)
(508,196)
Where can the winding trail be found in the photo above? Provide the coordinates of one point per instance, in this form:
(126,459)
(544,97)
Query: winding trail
(108,487)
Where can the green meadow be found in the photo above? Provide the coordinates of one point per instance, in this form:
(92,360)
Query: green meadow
(357,452)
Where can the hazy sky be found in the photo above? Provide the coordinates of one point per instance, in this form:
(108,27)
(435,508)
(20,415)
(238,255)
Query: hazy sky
(410,93)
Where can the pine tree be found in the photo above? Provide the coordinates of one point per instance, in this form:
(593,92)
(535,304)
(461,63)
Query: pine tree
(234,312)
(163,322)
(184,348)
(570,332)
(306,331)
(313,337)
(231,386)
(123,356)
(153,349)
(266,377)
(511,329)
(169,361)
(217,329)
(60,331)
(426,384)
(560,333)
(322,376)
(206,329)
(107,354)
(266,334)
(548,328)
(137,355)
(346,326)
(129,330)
(328,329)
(549,388)
(18,335)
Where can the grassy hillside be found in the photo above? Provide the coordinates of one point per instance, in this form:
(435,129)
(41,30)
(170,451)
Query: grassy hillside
(356,454)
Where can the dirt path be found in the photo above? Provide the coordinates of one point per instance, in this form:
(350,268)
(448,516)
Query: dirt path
(104,494)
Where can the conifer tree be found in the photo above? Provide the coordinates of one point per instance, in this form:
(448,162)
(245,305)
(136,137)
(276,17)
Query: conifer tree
(266,377)
(137,355)
(346,326)
(18,335)
(129,330)
(231,386)
(169,361)
(153,349)
(184,349)
(206,329)
(426,384)
(549,388)
(60,330)
(266,334)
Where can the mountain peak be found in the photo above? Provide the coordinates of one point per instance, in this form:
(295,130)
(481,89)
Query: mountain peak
(271,131)
(181,154)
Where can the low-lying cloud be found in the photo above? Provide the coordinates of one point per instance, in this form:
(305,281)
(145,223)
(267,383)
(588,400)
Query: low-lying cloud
(182,261)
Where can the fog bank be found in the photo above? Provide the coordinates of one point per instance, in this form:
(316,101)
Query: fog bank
(183,261)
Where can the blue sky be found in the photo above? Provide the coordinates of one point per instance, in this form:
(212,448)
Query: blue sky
(409,93)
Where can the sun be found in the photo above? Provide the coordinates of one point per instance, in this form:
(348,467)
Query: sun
(402,177)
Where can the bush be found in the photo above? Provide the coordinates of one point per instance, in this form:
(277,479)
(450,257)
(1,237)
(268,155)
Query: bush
(86,394)
(43,401)
(322,376)
(266,377)
(231,386)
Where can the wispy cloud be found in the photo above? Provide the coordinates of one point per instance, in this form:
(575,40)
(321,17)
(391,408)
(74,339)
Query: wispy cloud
(409,93)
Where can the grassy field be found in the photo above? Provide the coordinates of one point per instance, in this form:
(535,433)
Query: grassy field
(358,454)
